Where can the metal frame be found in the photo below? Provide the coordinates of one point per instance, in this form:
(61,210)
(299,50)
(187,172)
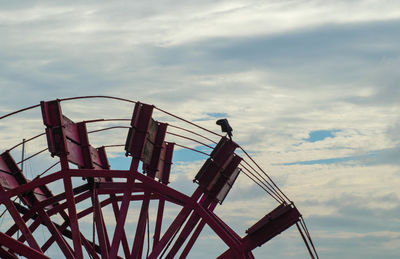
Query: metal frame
(145,143)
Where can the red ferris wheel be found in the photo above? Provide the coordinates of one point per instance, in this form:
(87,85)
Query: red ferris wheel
(86,186)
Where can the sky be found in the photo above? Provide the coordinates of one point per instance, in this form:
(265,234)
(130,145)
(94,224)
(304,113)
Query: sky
(309,87)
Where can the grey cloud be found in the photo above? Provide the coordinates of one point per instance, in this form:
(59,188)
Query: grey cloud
(355,215)
(357,248)
(393,132)
(360,224)
(388,156)
(385,79)
(325,45)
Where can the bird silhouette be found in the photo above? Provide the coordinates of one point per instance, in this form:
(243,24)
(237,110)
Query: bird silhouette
(225,127)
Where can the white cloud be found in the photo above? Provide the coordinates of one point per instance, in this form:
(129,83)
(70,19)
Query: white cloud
(278,69)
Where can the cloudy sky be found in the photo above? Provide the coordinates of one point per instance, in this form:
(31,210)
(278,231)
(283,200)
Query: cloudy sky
(310,88)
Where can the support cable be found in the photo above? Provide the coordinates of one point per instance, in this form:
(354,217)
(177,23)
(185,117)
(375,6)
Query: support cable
(45,171)
(37,153)
(26,140)
(69,99)
(303,223)
(18,111)
(244,151)
(266,181)
(171,133)
(261,187)
(97,96)
(103,120)
(192,149)
(305,241)
(113,127)
(189,122)
(169,125)
(148,234)
(115,145)
(184,137)
(195,133)
(269,187)
(273,195)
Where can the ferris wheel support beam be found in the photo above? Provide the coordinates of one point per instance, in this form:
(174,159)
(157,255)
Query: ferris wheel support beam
(135,145)
(157,229)
(76,237)
(6,254)
(31,213)
(99,222)
(65,248)
(187,229)
(30,186)
(36,223)
(230,238)
(123,211)
(164,178)
(116,211)
(20,248)
(137,247)
(89,248)
(20,222)
(213,178)
(56,209)
(153,149)
(174,226)
(51,240)
(195,234)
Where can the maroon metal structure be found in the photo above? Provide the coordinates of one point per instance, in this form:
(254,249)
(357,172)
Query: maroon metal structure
(146,181)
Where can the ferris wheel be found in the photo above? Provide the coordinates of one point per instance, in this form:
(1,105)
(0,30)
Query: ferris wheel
(85,204)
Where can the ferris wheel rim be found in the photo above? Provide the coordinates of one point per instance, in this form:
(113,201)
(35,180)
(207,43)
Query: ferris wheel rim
(40,181)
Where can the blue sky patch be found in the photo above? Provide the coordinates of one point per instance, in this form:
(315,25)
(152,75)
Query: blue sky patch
(120,162)
(319,135)
(185,155)
(218,115)
(326,161)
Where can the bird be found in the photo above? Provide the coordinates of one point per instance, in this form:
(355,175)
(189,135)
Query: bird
(225,127)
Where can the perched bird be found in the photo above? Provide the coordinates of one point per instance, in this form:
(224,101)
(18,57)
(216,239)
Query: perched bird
(225,127)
